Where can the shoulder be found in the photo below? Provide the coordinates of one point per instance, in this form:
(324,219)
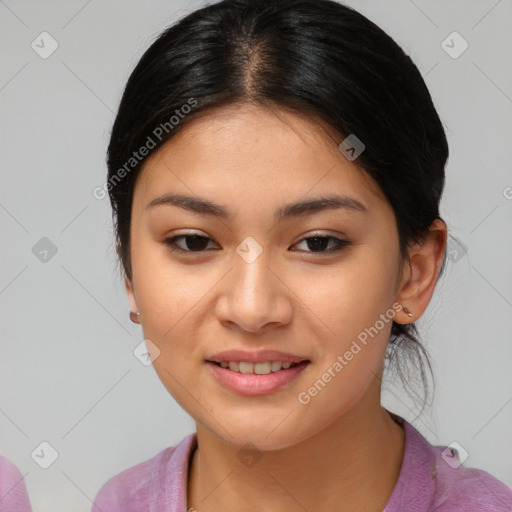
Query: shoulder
(137,488)
(131,486)
(433,479)
(466,489)
(13,492)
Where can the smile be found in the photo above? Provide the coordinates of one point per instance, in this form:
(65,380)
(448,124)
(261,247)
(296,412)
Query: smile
(247,378)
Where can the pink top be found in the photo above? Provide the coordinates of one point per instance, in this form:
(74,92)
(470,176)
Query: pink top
(13,493)
(430,480)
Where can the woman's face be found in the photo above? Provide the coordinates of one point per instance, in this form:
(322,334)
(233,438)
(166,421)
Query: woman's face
(255,282)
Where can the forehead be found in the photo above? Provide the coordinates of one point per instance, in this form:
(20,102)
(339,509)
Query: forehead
(276,151)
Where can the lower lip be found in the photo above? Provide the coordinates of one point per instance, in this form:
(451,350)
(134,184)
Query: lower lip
(254,384)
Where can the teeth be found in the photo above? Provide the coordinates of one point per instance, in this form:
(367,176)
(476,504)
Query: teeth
(246,367)
(257,368)
(276,366)
(262,368)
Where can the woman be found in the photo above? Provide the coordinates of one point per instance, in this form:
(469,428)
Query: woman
(275,172)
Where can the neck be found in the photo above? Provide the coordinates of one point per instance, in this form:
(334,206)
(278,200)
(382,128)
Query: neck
(352,465)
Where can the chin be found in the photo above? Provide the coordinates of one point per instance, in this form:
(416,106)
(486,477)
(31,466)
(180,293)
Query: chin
(260,437)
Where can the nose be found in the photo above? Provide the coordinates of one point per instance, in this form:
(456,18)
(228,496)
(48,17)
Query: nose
(254,295)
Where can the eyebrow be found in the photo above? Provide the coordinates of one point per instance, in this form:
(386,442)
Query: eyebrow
(290,210)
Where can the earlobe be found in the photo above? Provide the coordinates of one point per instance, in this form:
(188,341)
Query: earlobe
(425,260)
(134,309)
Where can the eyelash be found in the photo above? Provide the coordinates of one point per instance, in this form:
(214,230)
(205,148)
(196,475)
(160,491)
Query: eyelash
(341,244)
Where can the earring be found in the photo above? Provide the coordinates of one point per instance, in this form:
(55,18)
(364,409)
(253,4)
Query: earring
(407,312)
(134,316)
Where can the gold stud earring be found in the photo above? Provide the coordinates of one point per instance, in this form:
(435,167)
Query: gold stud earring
(407,312)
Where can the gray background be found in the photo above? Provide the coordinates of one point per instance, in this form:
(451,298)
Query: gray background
(68,375)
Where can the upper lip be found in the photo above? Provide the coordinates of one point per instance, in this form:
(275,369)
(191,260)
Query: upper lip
(260,356)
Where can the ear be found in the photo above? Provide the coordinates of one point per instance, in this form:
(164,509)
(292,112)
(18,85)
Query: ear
(131,299)
(420,273)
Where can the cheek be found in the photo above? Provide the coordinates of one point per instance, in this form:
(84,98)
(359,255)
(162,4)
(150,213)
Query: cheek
(166,291)
(351,296)
(170,307)
(166,300)
(351,302)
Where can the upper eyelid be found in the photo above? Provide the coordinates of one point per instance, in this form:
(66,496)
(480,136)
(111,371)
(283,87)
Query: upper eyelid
(317,233)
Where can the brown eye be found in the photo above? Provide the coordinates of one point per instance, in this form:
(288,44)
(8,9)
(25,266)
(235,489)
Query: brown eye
(193,243)
(319,244)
